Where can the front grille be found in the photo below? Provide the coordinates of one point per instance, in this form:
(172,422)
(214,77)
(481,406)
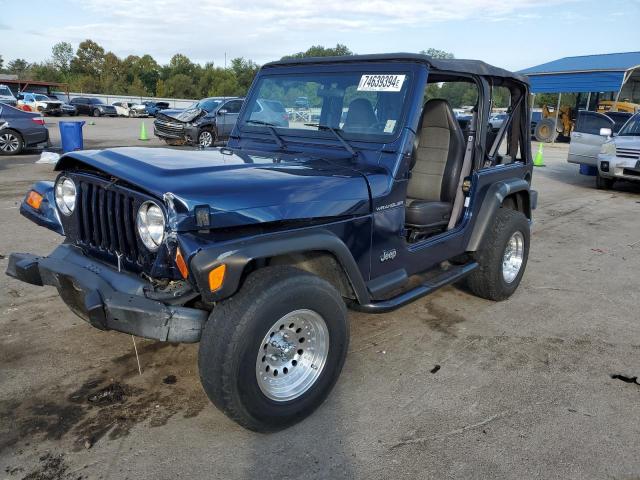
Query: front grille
(168,127)
(630,172)
(632,153)
(106,220)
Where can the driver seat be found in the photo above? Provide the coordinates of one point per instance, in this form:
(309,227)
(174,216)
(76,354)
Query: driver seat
(437,164)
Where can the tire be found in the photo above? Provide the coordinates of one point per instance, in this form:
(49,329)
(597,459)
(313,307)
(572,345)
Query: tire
(231,348)
(11,142)
(207,137)
(546,130)
(96,112)
(489,280)
(603,183)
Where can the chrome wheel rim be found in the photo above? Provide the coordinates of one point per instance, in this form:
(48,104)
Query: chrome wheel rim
(513,257)
(292,355)
(9,142)
(206,139)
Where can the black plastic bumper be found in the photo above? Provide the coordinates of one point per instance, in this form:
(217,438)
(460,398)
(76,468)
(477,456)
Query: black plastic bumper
(106,298)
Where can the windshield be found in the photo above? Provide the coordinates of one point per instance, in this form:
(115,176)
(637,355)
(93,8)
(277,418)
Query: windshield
(4,91)
(41,98)
(631,128)
(207,104)
(362,105)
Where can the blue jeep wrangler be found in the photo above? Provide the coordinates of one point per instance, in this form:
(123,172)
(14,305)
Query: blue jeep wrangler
(369,199)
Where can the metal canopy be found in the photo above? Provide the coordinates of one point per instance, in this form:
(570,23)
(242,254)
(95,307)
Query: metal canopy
(589,73)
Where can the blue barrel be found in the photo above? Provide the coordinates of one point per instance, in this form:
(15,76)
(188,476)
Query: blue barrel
(71,136)
(588,170)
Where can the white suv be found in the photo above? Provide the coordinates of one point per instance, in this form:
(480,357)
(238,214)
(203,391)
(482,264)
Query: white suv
(619,157)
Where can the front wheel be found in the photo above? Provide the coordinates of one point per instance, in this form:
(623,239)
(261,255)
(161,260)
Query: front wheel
(270,355)
(603,183)
(206,138)
(502,256)
(96,112)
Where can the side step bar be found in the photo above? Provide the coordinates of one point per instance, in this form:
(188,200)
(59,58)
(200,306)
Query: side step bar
(451,275)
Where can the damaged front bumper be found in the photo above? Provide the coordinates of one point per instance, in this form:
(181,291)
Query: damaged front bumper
(106,298)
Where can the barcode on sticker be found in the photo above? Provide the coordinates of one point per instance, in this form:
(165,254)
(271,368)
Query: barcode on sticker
(381,83)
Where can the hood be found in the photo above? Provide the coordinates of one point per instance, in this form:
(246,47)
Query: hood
(239,188)
(627,141)
(184,115)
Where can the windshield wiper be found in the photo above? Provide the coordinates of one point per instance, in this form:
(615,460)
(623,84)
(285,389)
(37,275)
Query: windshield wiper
(271,128)
(337,133)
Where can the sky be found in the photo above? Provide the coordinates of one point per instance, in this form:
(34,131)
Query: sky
(512,34)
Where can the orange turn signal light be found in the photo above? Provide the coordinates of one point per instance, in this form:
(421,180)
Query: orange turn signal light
(181,264)
(34,199)
(216,277)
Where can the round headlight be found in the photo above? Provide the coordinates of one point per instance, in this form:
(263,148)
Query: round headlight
(150,223)
(65,194)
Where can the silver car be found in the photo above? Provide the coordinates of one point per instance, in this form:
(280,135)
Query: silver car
(619,157)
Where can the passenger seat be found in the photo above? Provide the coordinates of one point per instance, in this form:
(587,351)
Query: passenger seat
(437,157)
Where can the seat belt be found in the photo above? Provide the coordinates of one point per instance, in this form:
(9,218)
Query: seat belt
(458,202)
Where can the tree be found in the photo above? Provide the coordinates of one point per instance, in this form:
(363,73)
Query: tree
(180,86)
(435,53)
(89,58)
(18,67)
(320,51)
(61,56)
(244,71)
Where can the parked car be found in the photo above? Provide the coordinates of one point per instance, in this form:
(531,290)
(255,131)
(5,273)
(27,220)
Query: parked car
(495,120)
(586,138)
(20,129)
(271,112)
(6,96)
(37,102)
(154,107)
(204,123)
(257,249)
(130,109)
(70,110)
(94,107)
(301,103)
(619,157)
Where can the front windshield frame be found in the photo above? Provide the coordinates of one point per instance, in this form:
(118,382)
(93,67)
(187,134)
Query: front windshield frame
(634,122)
(405,68)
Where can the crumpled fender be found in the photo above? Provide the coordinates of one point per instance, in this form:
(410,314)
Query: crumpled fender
(47,215)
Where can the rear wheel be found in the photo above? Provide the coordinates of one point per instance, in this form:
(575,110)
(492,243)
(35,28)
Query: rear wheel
(502,256)
(603,183)
(11,142)
(270,355)
(96,112)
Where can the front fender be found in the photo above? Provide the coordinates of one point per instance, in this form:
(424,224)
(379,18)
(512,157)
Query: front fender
(47,215)
(236,256)
(492,201)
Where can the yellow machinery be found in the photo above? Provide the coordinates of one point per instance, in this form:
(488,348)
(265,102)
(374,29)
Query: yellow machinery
(607,105)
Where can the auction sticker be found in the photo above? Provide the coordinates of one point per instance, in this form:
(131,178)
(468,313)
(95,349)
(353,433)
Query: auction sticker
(381,83)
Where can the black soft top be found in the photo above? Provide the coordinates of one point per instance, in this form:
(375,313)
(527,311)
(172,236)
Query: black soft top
(476,67)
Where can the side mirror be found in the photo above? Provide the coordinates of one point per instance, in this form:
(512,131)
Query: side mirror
(605,132)
(222,111)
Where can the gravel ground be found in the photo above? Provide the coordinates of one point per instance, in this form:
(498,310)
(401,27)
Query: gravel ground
(450,386)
